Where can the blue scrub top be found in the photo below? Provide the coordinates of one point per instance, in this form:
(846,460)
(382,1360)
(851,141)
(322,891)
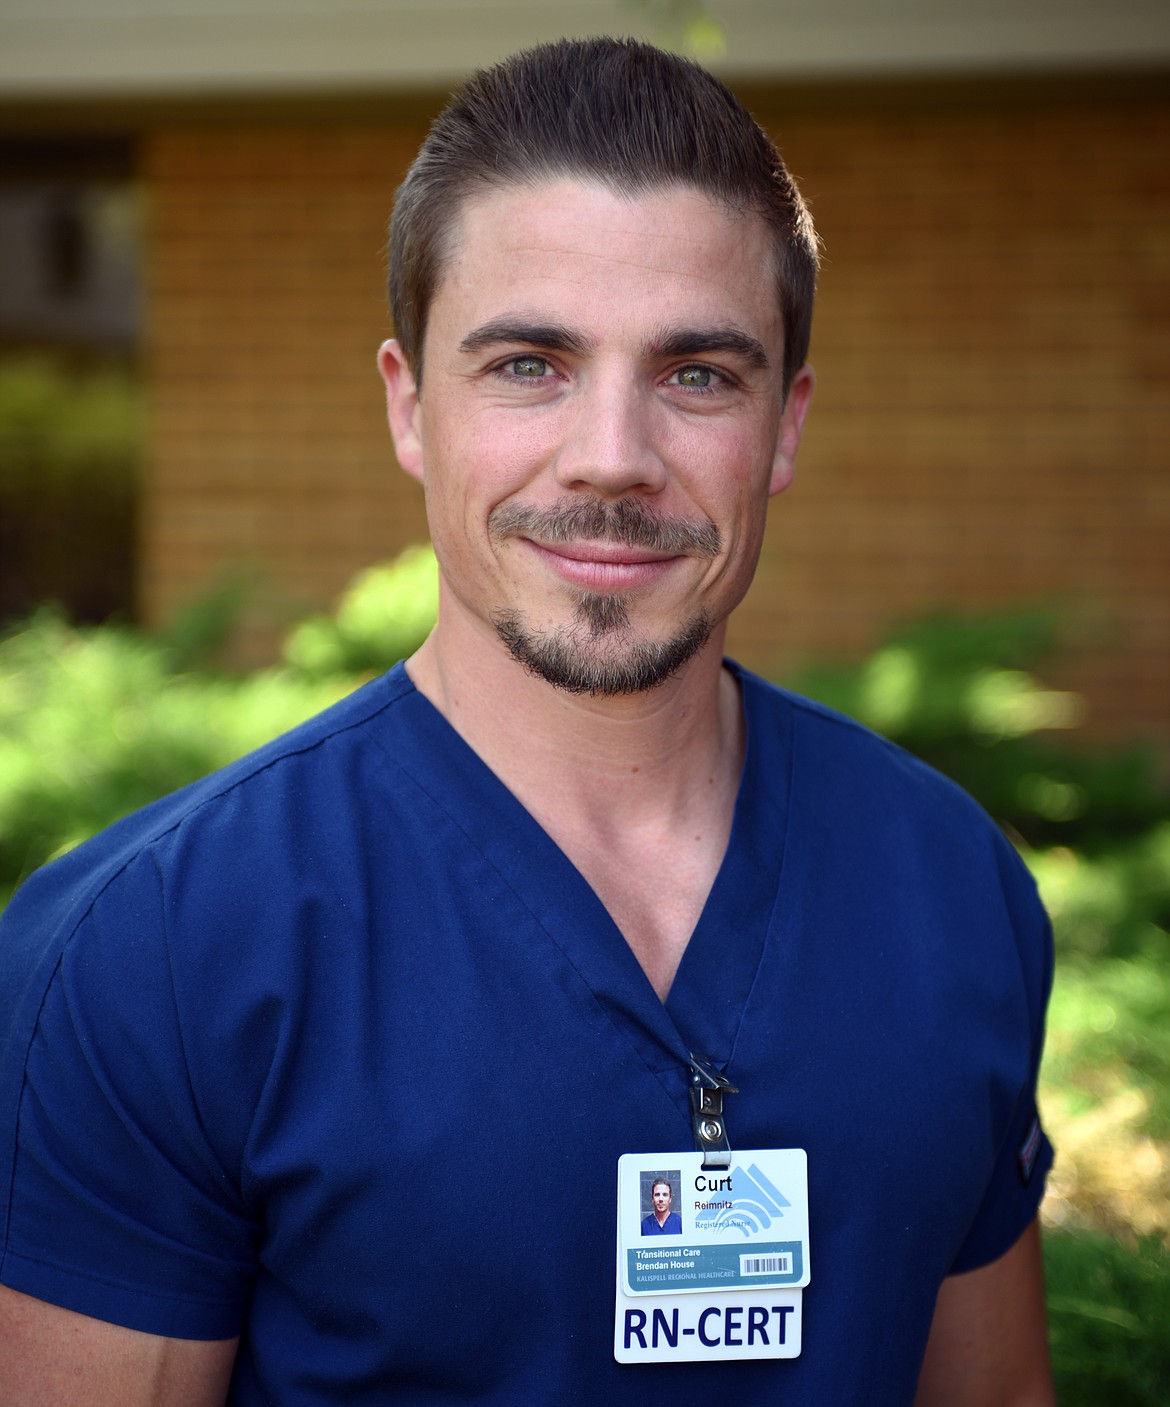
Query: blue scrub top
(672,1226)
(295,1054)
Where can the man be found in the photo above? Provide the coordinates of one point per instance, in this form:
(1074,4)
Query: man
(661,1221)
(490,910)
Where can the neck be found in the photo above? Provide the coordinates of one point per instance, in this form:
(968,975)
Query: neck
(596,761)
(639,792)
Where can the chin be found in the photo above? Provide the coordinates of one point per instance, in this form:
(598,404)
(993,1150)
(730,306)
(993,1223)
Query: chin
(599,654)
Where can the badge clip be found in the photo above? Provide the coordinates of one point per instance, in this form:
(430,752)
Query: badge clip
(708,1124)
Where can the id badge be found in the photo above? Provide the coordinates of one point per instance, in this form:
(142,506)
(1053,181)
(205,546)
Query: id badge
(711,1265)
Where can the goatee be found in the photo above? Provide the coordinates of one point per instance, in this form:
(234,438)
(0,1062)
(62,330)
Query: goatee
(591,656)
(570,658)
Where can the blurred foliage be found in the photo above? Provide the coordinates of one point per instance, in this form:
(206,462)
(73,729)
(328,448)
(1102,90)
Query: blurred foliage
(959,693)
(383,617)
(69,443)
(197,637)
(94,724)
(1106,1092)
(97,721)
(1108,1312)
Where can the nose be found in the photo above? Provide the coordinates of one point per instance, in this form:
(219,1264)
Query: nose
(610,445)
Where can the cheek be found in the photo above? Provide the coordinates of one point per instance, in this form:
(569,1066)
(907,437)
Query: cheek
(491,458)
(729,461)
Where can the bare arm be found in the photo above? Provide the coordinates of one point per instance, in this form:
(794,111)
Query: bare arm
(988,1343)
(51,1357)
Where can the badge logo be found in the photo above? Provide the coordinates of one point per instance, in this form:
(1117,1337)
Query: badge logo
(751,1205)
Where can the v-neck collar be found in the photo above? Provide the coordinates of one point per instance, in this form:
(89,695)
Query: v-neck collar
(711,988)
(705,1006)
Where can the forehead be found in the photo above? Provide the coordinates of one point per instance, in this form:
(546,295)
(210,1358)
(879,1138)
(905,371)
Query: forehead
(585,249)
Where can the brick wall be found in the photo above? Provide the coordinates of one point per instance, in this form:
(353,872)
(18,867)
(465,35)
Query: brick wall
(990,425)
(269,452)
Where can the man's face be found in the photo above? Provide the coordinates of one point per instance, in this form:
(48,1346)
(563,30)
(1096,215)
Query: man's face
(601,425)
(661,1195)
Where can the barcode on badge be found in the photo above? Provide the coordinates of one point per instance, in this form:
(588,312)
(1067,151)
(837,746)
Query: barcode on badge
(766,1265)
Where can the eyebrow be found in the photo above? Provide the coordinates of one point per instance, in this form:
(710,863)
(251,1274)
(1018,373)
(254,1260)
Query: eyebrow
(554,336)
(677,342)
(694,341)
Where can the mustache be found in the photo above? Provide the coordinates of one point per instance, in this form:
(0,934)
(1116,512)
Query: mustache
(627,520)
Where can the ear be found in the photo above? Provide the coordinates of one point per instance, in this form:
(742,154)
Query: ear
(791,428)
(403,408)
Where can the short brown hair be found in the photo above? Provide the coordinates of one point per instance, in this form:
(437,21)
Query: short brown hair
(616,111)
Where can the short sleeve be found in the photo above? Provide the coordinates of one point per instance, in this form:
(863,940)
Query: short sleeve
(116,1204)
(1016,1187)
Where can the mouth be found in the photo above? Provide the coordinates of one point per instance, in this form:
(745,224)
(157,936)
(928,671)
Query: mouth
(601,550)
(599,565)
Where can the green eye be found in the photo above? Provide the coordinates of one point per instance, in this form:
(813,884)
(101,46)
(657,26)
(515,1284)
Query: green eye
(531,368)
(697,377)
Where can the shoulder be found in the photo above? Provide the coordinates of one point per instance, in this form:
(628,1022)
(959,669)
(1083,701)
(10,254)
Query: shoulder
(243,828)
(822,734)
(854,771)
(873,810)
(181,941)
(289,765)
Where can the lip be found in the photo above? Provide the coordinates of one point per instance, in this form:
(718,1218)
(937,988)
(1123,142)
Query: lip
(604,566)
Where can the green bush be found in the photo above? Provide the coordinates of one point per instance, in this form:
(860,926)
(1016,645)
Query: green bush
(383,617)
(1108,1312)
(98,721)
(959,693)
(93,725)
